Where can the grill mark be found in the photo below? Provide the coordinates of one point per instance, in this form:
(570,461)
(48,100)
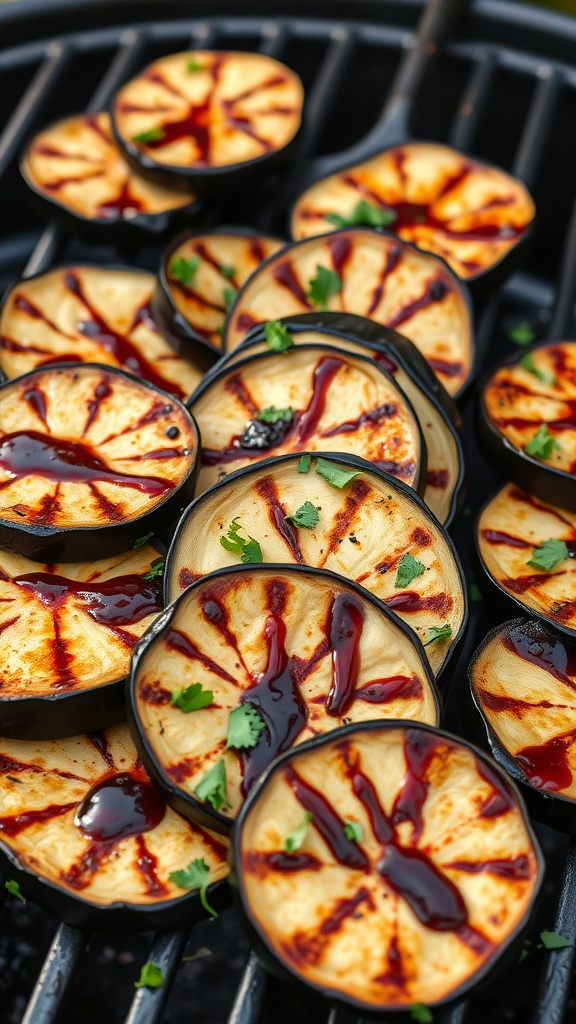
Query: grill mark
(268,492)
(308,947)
(12,825)
(437,478)
(177,641)
(501,703)
(99,741)
(147,866)
(260,862)
(235,385)
(215,613)
(340,251)
(24,305)
(10,765)
(285,275)
(345,517)
(393,258)
(516,869)
(409,601)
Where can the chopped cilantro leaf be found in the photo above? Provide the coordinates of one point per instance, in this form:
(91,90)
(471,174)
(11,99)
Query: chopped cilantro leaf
(277,337)
(421,1014)
(437,633)
(156,569)
(304,463)
(194,65)
(523,954)
(521,333)
(306,515)
(212,788)
(546,376)
(249,550)
(143,540)
(408,569)
(14,889)
(333,474)
(553,940)
(229,295)
(184,270)
(548,554)
(475,593)
(363,213)
(273,415)
(195,876)
(152,135)
(321,287)
(244,727)
(227,270)
(192,698)
(150,976)
(294,840)
(542,444)
(353,830)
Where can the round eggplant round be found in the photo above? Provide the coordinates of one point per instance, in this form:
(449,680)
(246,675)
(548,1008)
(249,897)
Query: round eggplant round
(198,279)
(90,454)
(75,167)
(468,212)
(385,865)
(436,411)
(265,657)
(208,120)
(340,514)
(373,274)
(527,421)
(68,632)
(309,398)
(89,839)
(91,314)
(523,685)
(527,548)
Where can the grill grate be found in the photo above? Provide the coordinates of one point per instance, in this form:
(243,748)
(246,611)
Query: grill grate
(346,65)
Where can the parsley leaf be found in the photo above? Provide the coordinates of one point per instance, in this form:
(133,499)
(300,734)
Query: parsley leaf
(421,1014)
(143,540)
(323,286)
(156,569)
(553,940)
(14,889)
(227,270)
(294,840)
(521,333)
(333,474)
(272,415)
(542,444)
(212,788)
(195,876)
(229,295)
(546,376)
(192,698)
(363,213)
(523,954)
(194,65)
(548,554)
(306,515)
(408,569)
(277,337)
(152,135)
(304,463)
(353,830)
(437,633)
(475,593)
(244,727)
(184,270)
(249,550)
(150,976)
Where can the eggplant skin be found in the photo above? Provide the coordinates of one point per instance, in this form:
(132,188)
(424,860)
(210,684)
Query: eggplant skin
(342,916)
(118,883)
(469,213)
(510,527)
(387,675)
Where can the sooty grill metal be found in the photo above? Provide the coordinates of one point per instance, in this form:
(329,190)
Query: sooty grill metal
(503,88)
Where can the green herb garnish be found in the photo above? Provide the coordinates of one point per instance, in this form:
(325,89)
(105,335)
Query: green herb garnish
(553,940)
(306,516)
(421,1014)
(273,415)
(353,830)
(546,376)
(227,270)
(294,840)
(277,337)
(184,270)
(244,727)
(522,333)
(408,569)
(14,889)
(475,593)
(249,550)
(542,444)
(156,569)
(212,788)
(550,553)
(333,474)
(192,698)
(194,65)
(152,135)
(195,876)
(229,295)
(304,463)
(150,976)
(323,286)
(363,213)
(143,540)
(437,633)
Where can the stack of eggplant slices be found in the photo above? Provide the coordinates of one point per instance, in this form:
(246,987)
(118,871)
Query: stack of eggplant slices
(227,593)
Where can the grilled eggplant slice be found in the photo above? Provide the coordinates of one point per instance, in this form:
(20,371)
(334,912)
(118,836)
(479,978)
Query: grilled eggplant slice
(208,120)
(371,529)
(90,840)
(91,314)
(311,398)
(527,548)
(528,421)
(76,168)
(90,453)
(375,275)
(469,213)
(385,865)
(68,632)
(198,279)
(291,652)
(523,684)
(436,411)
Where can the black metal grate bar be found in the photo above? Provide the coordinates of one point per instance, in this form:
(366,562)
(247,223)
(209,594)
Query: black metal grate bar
(166,953)
(556,979)
(536,131)
(473,101)
(564,305)
(56,975)
(251,994)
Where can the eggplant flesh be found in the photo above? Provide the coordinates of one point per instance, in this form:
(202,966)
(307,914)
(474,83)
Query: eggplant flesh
(382,279)
(301,648)
(331,401)
(364,530)
(90,315)
(420,900)
(469,213)
(511,529)
(81,815)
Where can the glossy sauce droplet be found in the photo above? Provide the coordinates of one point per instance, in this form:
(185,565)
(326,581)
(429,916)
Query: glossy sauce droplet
(118,807)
